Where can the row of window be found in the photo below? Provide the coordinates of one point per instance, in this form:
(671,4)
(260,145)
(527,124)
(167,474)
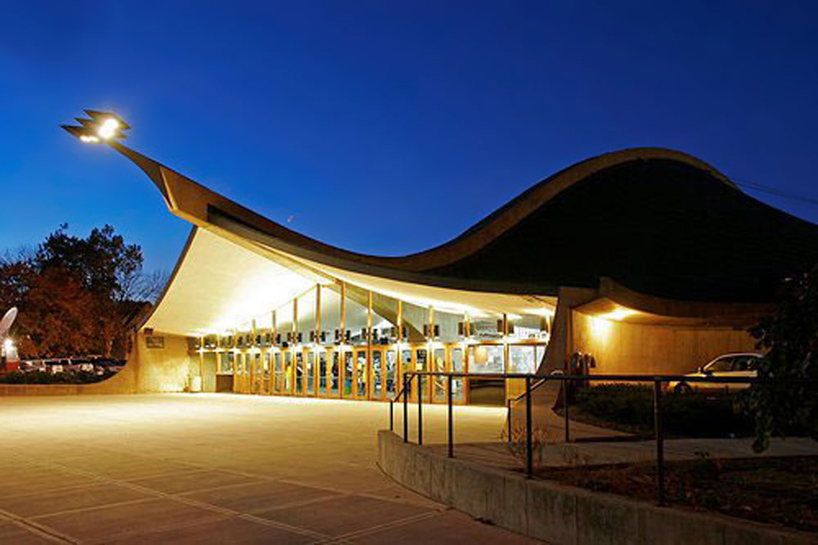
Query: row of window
(331,315)
(369,373)
(486,359)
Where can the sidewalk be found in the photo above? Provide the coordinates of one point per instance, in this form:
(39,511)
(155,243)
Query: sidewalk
(497,454)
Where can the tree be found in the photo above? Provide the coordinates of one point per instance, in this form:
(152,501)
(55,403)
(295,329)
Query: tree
(77,295)
(103,262)
(14,275)
(58,315)
(107,267)
(790,336)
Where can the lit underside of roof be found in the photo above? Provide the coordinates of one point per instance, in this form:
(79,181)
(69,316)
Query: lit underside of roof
(220,285)
(473,303)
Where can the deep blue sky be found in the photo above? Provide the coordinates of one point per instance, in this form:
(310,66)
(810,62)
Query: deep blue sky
(384,126)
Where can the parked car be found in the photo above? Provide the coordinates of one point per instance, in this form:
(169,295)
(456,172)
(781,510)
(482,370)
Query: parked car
(76,365)
(29,366)
(108,365)
(55,366)
(740,365)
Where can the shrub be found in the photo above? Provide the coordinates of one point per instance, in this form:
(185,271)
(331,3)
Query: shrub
(790,337)
(702,414)
(42,377)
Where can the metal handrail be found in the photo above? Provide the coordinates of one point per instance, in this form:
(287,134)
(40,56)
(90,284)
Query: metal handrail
(622,378)
(656,380)
(534,387)
(401,392)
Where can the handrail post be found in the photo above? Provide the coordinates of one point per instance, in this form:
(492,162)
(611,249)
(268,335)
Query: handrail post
(451,419)
(508,418)
(405,412)
(420,409)
(391,415)
(658,429)
(565,403)
(529,448)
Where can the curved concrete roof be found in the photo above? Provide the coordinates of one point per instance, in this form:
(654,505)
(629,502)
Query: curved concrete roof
(655,221)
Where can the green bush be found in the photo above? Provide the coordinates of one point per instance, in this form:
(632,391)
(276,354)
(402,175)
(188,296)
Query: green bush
(42,377)
(696,414)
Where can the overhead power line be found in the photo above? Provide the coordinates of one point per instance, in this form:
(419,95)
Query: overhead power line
(775,191)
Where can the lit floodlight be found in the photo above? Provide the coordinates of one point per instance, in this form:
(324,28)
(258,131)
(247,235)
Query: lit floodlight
(108,128)
(99,127)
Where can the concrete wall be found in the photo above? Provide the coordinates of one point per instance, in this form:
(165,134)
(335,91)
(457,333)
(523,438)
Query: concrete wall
(560,345)
(147,370)
(162,369)
(655,349)
(562,515)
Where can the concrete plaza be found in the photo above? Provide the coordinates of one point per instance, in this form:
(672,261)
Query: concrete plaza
(209,468)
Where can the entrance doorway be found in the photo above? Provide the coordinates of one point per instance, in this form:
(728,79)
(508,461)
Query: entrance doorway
(384,369)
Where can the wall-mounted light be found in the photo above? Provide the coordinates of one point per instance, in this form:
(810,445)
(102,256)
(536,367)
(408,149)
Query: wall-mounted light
(619,314)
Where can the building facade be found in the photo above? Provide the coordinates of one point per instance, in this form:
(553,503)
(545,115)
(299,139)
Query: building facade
(644,260)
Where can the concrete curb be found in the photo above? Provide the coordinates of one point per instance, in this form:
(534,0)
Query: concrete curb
(562,515)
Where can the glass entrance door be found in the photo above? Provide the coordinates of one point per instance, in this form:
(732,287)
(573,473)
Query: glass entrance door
(391,372)
(242,380)
(486,359)
(255,373)
(299,372)
(323,373)
(348,374)
(310,373)
(405,367)
(361,374)
(439,383)
(288,372)
(377,388)
(266,372)
(335,374)
(278,373)
(457,365)
(422,364)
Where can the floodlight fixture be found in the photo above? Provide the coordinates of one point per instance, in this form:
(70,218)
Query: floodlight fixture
(98,128)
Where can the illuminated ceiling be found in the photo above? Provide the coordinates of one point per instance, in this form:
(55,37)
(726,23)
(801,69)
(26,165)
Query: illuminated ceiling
(220,285)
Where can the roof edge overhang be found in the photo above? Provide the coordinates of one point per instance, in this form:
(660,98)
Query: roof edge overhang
(207,209)
(621,304)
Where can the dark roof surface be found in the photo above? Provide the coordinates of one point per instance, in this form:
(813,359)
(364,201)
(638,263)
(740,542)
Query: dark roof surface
(656,221)
(657,226)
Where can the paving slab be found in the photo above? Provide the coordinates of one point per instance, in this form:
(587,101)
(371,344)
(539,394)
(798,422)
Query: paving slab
(458,528)
(20,535)
(72,499)
(123,519)
(232,530)
(260,496)
(220,468)
(339,516)
(191,481)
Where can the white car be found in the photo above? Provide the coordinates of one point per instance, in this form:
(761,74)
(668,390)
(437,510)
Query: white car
(737,365)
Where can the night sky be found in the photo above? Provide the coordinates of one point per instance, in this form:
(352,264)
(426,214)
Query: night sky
(388,127)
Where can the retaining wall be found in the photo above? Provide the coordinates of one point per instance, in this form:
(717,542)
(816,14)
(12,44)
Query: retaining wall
(148,370)
(562,515)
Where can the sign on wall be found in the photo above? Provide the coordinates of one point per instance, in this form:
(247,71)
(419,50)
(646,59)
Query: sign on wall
(152,341)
